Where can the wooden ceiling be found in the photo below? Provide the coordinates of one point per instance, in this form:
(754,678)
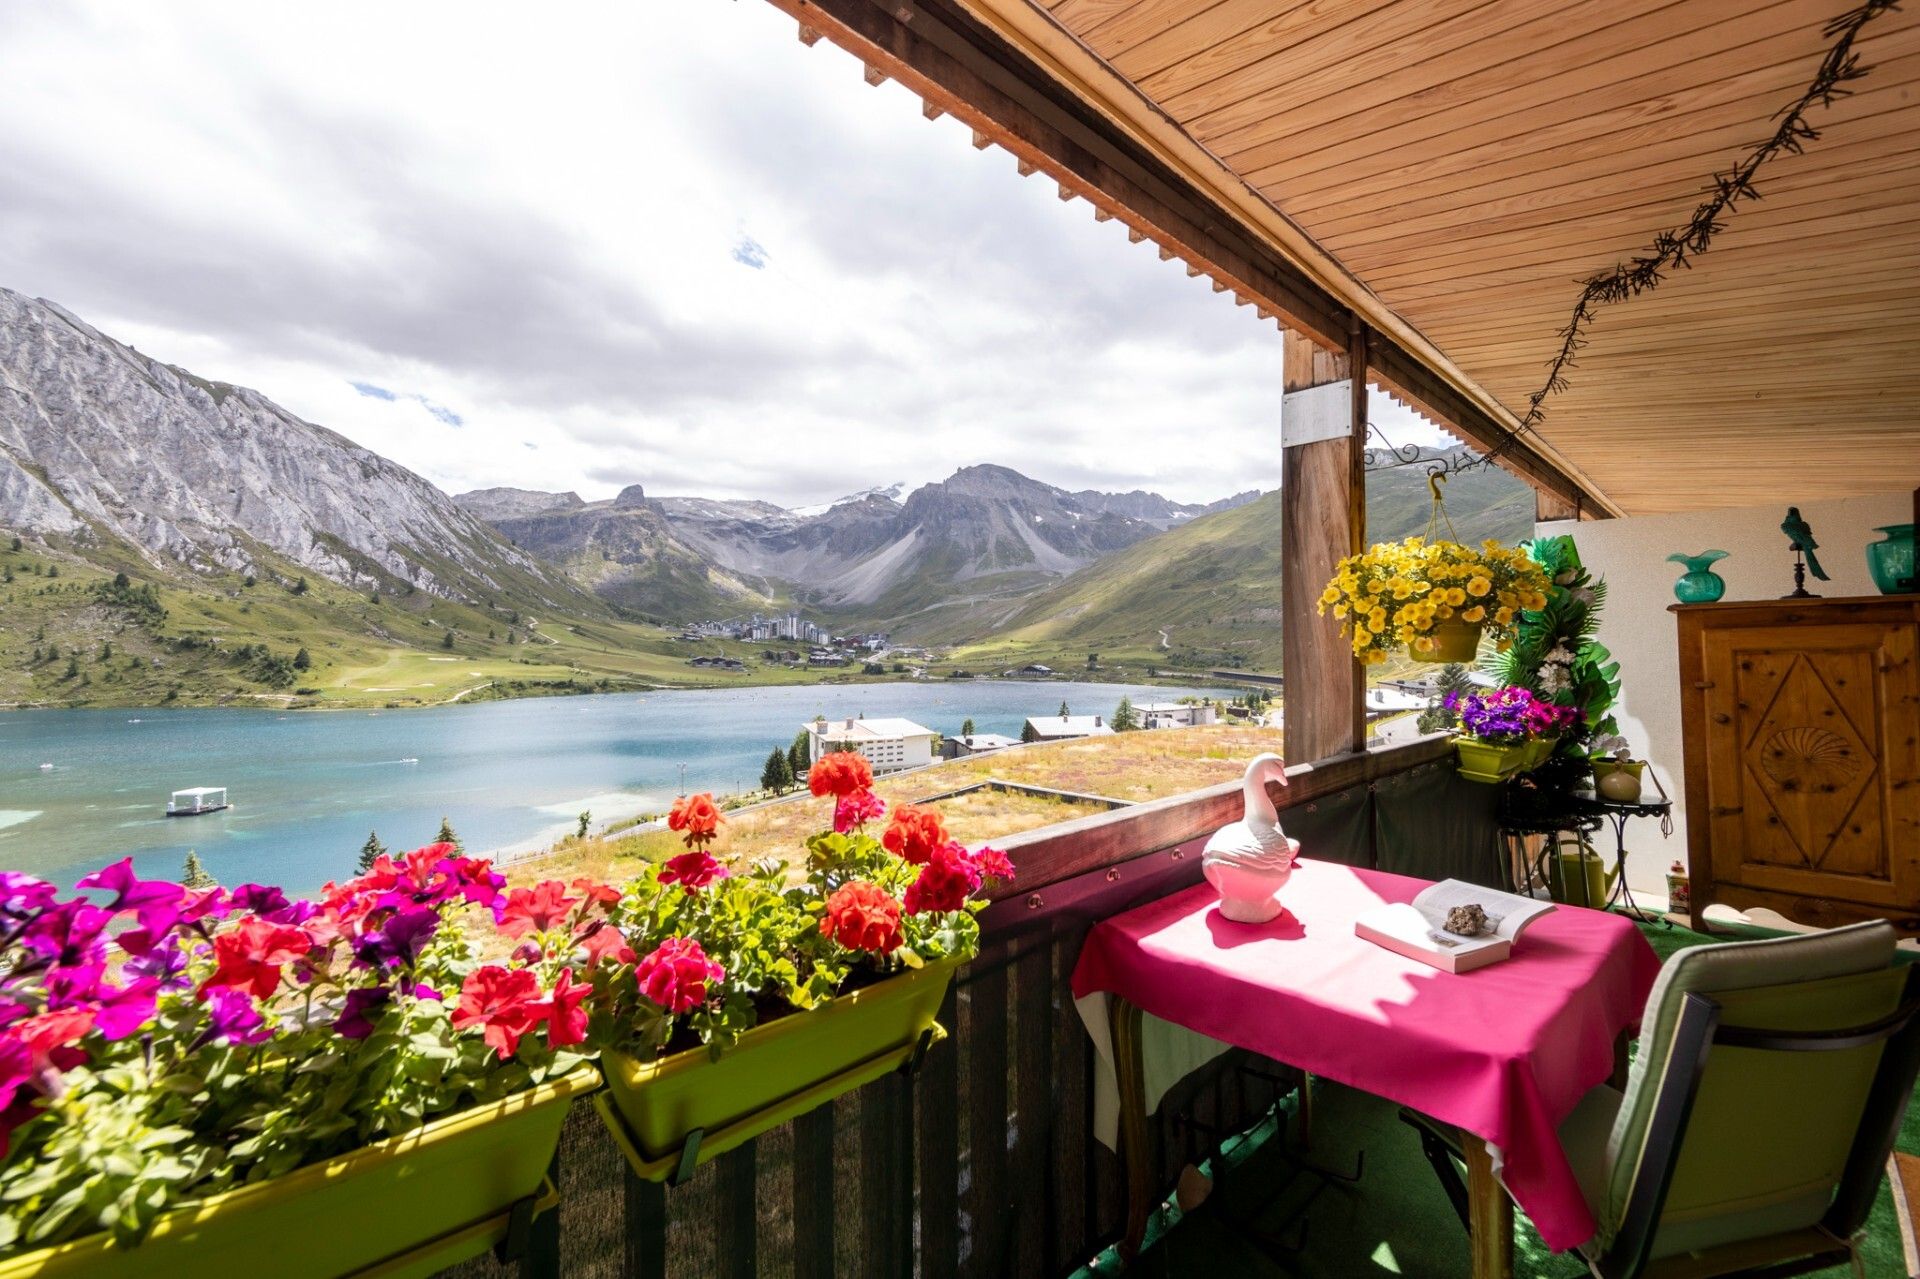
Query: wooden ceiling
(1469,162)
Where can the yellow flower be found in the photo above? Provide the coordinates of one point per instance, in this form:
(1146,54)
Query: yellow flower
(1456,596)
(1478,586)
(1330,596)
(1425,644)
(1503,617)
(1339,610)
(1445,612)
(1475,614)
(1377,619)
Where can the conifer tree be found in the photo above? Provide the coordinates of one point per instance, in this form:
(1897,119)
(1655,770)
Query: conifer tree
(777,775)
(1064,712)
(800,755)
(302,660)
(371,851)
(193,875)
(1124,720)
(447,836)
(586,818)
(966,729)
(1028,733)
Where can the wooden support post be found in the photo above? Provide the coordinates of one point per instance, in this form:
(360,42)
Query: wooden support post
(1548,507)
(1490,1211)
(1323,520)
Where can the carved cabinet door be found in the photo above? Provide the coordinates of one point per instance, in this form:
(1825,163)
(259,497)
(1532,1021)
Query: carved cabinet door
(1812,760)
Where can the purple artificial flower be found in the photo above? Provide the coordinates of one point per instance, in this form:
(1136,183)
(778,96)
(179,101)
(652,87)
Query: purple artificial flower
(270,903)
(354,1021)
(130,892)
(399,940)
(234,1019)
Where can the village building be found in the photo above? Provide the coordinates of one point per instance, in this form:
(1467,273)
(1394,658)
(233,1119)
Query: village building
(889,745)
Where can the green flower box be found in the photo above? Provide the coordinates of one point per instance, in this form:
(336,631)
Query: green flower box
(1483,761)
(403,1208)
(778,1070)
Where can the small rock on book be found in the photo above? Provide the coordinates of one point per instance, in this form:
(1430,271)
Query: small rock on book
(1418,929)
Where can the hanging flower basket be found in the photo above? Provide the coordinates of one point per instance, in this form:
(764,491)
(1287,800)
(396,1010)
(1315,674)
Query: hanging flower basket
(412,1205)
(1453,641)
(776,1072)
(1434,599)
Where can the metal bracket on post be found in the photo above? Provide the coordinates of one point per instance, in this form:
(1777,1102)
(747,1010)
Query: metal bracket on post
(513,1245)
(689,1158)
(911,1066)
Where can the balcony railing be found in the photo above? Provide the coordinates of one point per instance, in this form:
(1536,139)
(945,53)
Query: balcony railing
(983,1164)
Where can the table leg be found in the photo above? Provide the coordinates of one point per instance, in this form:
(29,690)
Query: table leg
(1490,1213)
(1136,1148)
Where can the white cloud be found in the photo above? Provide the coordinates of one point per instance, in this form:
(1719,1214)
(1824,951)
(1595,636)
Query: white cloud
(588,245)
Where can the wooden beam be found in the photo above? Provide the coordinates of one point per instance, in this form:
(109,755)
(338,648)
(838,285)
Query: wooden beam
(1551,507)
(1322,521)
(1101,215)
(1026,167)
(949,56)
(981,141)
(808,36)
(931,111)
(875,76)
(1135,234)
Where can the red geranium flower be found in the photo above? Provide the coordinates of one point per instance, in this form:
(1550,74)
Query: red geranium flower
(535,909)
(566,1020)
(694,871)
(993,864)
(596,892)
(945,882)
(250,956)
(504,1000)
(49,1038)
(915,834)
(840,773)
(861,916)
(605,944)
(676,976)
(698,816)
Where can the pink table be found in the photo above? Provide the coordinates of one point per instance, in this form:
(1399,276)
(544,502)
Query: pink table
(1504,1053)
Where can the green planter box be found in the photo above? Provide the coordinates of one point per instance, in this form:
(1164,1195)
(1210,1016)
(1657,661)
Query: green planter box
(401,1208)
(1485,762)
(778,1071)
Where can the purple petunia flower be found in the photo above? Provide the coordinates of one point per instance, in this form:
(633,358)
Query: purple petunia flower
(354,1021)
(399,940)
(22,895)
(166,964)
(235,1019)
(68,935)
(130,892)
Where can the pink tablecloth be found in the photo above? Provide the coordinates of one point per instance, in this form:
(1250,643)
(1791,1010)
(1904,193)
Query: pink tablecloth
(1504,1052)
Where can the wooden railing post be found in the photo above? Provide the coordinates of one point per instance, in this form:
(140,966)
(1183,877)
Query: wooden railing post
(1323,519)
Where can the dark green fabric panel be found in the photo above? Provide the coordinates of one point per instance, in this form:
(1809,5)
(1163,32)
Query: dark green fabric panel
(1434,825)
(1334,829)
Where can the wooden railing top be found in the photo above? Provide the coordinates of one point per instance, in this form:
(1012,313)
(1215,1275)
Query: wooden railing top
(1062,851)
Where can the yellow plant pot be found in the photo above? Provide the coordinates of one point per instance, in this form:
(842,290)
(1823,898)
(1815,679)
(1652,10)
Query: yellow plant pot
(777,1071)
(402,1208)
(1454,641)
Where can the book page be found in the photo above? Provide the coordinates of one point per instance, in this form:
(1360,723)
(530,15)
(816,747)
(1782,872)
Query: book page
(1410,923)
(1507,913)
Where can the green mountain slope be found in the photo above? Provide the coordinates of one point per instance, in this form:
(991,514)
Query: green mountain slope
(1207,594)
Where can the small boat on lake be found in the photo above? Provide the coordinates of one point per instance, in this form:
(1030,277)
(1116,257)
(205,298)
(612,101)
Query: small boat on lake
(196,800)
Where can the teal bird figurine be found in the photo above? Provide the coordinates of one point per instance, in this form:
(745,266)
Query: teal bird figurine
(1801,536)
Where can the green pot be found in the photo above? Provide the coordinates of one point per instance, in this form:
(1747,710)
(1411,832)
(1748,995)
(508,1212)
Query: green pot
(1487,762)
(777,1071)
(1891,560)
(403,1208)
(1699,584)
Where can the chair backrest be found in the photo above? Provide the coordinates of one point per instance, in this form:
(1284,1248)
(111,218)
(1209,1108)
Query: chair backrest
(1766,1134)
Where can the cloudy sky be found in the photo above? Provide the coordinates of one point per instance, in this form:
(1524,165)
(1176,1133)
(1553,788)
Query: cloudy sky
(586,245)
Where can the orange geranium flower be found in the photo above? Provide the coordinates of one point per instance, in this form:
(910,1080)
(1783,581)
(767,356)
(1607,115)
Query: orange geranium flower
(698,816)
(840,774)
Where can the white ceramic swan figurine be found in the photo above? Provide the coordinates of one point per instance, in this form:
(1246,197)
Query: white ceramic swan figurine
(1248,861)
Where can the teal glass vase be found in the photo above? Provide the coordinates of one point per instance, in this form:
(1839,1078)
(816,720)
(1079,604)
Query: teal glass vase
(1699,584)
(1891,560)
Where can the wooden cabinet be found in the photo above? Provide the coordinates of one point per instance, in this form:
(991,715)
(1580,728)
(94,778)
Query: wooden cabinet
(1801,720)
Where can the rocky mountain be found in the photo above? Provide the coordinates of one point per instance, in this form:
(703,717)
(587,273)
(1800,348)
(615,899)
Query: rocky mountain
(101,446)
(985,532)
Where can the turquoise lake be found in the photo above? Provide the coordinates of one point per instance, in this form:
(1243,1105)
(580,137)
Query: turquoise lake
(308,786)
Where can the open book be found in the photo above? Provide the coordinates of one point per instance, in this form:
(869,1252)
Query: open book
(1417,929)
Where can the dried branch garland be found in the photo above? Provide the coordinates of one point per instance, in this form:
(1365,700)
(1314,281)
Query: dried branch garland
(1676,247)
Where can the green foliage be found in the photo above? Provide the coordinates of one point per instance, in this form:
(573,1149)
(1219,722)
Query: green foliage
(302,660)
(142,602)
(193,875)
(966,729)
(800,755)
(370,852)
(1124,720)
(1452,680)
(776,774)
(586,819)
(447,835)
(446,641)
(1028,733)
(1555,654)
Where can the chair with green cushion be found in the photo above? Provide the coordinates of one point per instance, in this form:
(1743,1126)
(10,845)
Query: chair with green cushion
(1770,1082)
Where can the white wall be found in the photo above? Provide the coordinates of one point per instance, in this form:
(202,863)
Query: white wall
(1631,554)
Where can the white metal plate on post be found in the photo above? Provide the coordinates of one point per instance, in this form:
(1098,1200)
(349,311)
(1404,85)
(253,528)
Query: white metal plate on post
(1317,413)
